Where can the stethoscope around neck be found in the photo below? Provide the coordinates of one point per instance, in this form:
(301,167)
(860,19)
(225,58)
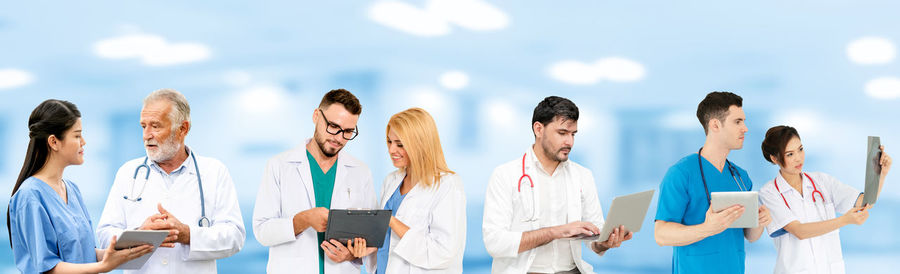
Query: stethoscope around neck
(731,170)
(203,221)
(815,190)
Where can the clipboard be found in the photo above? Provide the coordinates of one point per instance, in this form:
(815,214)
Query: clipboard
(133,238)
(873,170)
(369,224)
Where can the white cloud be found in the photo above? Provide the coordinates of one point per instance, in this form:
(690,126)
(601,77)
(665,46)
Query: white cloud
(614,69)
(454,80)
(500,113)
(436,18)
(475,15)
(884,88)
(13,78)
(871,51)
(262,99)
(151,50)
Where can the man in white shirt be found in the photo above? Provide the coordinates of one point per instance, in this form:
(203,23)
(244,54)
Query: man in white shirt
(538,202)
(172,189)
(301,185)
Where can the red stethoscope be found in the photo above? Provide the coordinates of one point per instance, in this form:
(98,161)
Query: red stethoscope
(524,176)
(815,190)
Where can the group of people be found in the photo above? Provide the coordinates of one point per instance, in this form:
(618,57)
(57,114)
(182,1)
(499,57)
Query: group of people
(536,206)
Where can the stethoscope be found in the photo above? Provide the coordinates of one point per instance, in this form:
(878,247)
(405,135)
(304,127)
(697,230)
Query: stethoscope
(731,169)
(530,183)
(203,222)
(815,190)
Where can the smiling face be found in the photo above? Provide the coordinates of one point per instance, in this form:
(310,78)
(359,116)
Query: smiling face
(398,154)
(557,138)
(71,147)
(794,156)
(161,141)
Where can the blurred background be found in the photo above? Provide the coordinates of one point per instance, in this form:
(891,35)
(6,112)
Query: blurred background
(254,71)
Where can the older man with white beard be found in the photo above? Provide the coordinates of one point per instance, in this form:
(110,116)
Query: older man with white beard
(173,189)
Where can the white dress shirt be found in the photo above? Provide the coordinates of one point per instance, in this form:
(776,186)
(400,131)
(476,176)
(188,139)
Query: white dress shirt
(178,192)
(287,189)
(436,217)
(507,211)
(821,254)
(555,256)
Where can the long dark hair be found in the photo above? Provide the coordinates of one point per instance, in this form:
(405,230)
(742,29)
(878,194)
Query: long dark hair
(51,117)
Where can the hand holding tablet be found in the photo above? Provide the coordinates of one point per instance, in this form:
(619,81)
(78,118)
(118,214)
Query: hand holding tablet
(748,199)
(133,238)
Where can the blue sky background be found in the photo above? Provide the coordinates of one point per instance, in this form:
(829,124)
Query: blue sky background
(254,71)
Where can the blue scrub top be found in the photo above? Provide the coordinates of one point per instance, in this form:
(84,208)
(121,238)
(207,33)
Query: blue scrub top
(682,199)
(46,231)
(393,203)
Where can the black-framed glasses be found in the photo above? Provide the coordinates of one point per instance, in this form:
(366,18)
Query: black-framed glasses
(335,129)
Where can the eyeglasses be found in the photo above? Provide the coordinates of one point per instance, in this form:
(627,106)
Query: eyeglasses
(335,129)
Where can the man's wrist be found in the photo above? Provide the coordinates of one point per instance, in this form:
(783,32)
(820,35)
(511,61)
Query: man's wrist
(184,234)
(599,248)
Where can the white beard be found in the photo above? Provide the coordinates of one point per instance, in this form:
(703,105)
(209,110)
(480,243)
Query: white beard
(165,150)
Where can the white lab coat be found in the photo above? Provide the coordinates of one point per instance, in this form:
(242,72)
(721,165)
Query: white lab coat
(505,212)
(436,217)
(287,189)
(223,238)
(820,254)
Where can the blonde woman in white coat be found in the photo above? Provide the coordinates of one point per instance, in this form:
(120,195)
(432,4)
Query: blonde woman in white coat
(427,232)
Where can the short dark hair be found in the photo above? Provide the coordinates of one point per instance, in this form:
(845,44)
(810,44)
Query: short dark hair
(343,97)
(552,107)
(776,141)
(715,106)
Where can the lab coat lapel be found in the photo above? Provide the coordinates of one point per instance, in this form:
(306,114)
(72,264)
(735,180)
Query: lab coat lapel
(343,185)
(392,183)
(299,157)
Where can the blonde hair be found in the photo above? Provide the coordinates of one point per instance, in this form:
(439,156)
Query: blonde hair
(419,135)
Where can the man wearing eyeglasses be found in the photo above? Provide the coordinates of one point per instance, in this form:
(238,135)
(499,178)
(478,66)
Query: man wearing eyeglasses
(300,186)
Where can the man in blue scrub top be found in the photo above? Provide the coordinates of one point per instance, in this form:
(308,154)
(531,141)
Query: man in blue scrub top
(702,240)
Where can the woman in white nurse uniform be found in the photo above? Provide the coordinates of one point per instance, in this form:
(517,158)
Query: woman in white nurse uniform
(427,233)
(803,205)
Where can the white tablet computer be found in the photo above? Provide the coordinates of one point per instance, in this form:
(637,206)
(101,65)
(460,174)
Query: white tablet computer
(748,199)
(628,210)
(133,238)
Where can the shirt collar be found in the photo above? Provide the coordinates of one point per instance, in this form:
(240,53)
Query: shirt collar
(536,163)
(784,187)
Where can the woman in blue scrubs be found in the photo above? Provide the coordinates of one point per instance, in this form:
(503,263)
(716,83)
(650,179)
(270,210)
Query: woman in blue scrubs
(49,225)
